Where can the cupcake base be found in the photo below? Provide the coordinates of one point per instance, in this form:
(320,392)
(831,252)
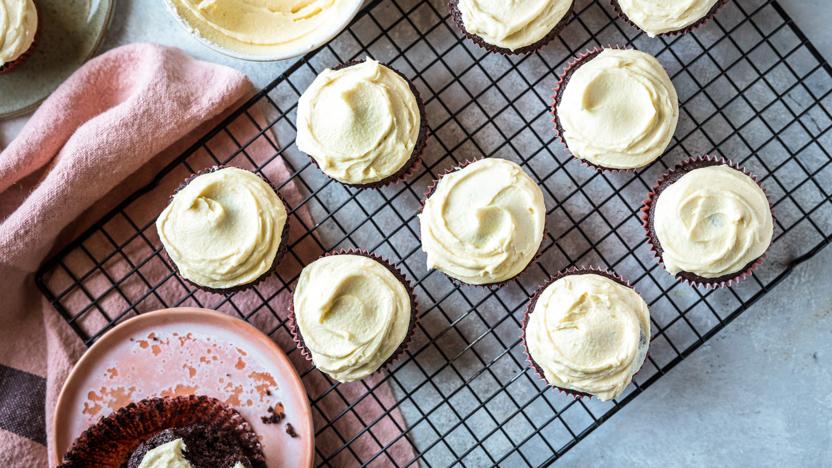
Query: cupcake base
(282,248)
(112,440)
(620,13)
(294,330)
(648,214)
(533,302)
(453,9)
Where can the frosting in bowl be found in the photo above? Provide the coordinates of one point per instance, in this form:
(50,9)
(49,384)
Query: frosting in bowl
(360,123)
(619,109)
(223,229)
(352,313)
(483,223)
(712,222)
(18,25)
(167,455)
(265,28)
(660,16)
(589,333)
(512,24)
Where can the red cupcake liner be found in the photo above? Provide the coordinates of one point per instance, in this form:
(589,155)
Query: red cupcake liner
(456,15)
(647,214)
(459,283)
(412,164)
(533,302)
(112,440)
(709,16)
(282,248)
(294,330)
(9,66)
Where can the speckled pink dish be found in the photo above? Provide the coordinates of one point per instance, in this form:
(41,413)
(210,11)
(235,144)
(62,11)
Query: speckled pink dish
(189,351)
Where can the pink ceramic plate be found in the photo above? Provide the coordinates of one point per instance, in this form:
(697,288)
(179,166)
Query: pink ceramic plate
(189,351)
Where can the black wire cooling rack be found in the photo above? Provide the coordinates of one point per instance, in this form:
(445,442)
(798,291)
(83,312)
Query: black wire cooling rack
(752,89)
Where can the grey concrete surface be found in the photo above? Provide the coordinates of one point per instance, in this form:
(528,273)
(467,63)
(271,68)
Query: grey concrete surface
(758,394)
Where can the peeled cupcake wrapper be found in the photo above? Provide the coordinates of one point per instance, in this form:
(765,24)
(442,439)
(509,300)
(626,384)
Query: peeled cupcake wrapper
(459,283)
(281,249)
(665,181)
(456,15)
(112,440)
(560,87)
(412,165)
(533,302)
(294,330)
(619,13)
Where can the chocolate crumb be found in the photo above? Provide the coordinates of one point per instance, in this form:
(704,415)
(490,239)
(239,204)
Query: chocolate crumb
(268,392)
(291,430)
(276,414)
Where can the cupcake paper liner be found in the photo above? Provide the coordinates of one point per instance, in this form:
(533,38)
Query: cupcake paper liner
(294,330)
(620,13)
(533,302)
(459,283)
(412,164)
(112,440)
(282,248)
(456,15)
(560,87)
(647,214)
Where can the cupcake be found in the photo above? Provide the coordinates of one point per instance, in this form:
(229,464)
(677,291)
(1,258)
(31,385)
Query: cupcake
(224,229)
(187,431)
(362,123)
(18,29)
(352,313)
(709,222)
(657,17)
(483,223)
(616,109)
(586,333)
(511,27)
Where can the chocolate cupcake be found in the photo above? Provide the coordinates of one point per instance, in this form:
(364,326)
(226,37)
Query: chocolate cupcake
(200,430)
(506,28)
(362,123)
(224,230)
(18,32)
(615,109)
(482,223)
(663,18)
(352,313)
(586,333)
(708,222)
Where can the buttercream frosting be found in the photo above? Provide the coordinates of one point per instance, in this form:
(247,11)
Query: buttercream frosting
(167,455)
(483,223)
(512,24)
(352,312)
(589,334)
(712,222)
(264,27)
(660,16)
(619,109)
(223,229)
(18,25)
(360,123)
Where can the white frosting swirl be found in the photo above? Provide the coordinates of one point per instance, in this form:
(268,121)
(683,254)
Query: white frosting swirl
(660,16)
(352,312)
(483,223)
(512,24)
(167,455)
(619,110)
(18,25)
(712,222)
(589,333)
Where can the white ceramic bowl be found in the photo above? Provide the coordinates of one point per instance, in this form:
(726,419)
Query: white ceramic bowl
(321,37)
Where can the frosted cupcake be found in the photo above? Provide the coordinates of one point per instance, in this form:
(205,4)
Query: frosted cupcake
(616,109)
(657,17)
(483,223)
(362,123)
(18,30)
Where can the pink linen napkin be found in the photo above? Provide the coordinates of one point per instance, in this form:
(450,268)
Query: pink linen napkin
(104,133)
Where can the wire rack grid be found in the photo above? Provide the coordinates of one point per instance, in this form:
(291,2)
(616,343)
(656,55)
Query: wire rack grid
(751,89)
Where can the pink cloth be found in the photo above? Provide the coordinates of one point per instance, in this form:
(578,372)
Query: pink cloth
(104,133)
